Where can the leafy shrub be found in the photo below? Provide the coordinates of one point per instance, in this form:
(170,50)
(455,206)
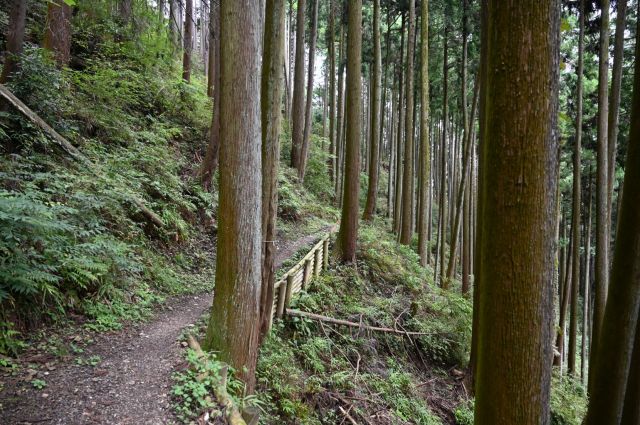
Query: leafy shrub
(568,401)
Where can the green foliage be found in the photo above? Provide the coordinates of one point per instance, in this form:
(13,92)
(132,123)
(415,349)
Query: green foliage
(194,388)
(568,401)
(38,384)
(464,413)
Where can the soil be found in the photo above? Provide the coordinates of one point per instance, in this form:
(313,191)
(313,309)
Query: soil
(131,381)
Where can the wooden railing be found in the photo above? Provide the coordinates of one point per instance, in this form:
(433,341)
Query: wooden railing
(298,277)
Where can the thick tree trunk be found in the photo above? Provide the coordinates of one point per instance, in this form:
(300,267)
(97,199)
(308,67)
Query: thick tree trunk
(602,183)
(57,32)
(425,153)
(374,146)
(233,330)
(348,235)
(614,105)
(631,411)
(514,357)
(210,162)
(611,364)
(271,99)
(188,41)
(340,121)
(298,90)
(406,233)
(174,22)
(397,202)
(575,215)
(308,119)
(15,38)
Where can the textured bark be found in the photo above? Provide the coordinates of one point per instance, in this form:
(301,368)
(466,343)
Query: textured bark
(332,90)
(210,162)
(586,311)
(340,120)
(57,32)
(614,105)
(631,411)
(348,235)
(518,213)
(233,330)
(442,203)
(308,120)
(174,26)
(398,171)
(466,172)
(575,215)
(374,145)
(425,152)
(271,100)
(602,182)
(188,41)
(125,8)
(610,365)
(15,37)
(298,90)
(406,227)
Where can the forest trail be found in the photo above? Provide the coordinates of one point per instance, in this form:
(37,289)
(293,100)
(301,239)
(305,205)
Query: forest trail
(131,384)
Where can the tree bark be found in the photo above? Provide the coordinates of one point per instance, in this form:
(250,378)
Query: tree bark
(374,149)
(397,205)
(332,91)
(611,364)
(614,106)
(15,38)
(308,119)
(233,330)
(188,41)
(210,162)
(298,90)
(602,182)
(406,233)
(586,312)
(575,214)
(425,153)
(516,252)
(348,235)
(271,101)
(57,32)
(442,203)
(631,411)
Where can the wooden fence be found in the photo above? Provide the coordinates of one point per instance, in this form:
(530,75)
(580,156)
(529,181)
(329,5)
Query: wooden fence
(299,276)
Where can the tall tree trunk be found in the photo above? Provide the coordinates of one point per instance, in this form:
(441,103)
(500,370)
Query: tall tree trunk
(15,38)
(348,235)
(602,182)
(188,41)
(614,105)
(516,311)
(586,311)
(442,204)
(174,22)
(397,218)
(308,119)
(575,215)
(455,230)
(340,120)
(374,148)
(406,233)
(332,90)
(271,99)
(57,32)
(210,162)
(233,330)
(298,90)
(611,364)
(425,153)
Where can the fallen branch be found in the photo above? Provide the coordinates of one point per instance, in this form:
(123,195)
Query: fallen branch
(70,149)
(328,319)
(233,414)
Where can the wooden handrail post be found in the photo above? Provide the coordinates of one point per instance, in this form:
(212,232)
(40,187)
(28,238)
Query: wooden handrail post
(282,293)
(325,256)
(316,262)
(307,273)
(287,297)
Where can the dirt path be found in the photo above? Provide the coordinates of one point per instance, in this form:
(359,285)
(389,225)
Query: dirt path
(131,383)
